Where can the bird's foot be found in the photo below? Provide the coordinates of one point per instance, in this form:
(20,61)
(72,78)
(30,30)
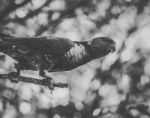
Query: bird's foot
(50,82)
(14,77)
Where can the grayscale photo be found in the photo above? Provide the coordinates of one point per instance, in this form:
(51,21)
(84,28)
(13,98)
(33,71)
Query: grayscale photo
(74,59)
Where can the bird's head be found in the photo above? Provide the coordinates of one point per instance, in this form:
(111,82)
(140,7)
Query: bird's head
(101,46)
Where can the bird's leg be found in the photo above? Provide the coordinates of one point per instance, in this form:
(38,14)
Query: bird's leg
(48,80)
(50,62)
(15,75)
(51,66)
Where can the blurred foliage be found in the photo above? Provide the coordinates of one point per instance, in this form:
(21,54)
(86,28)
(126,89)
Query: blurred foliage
(115,87)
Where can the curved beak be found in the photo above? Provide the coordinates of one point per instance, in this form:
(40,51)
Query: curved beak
(112,47)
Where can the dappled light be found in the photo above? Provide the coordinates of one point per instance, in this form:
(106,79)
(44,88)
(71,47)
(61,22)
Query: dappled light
(116,86)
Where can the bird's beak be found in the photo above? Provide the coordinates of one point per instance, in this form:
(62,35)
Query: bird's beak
(112,47)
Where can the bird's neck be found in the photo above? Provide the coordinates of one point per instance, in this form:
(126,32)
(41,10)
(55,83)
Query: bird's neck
(78,54)
(87,47)
(91,52)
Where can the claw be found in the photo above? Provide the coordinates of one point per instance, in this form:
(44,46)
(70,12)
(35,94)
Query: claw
(47,80)
(14,77)
(14,80)
(50,83)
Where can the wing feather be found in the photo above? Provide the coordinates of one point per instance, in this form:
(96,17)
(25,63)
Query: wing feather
(49,44)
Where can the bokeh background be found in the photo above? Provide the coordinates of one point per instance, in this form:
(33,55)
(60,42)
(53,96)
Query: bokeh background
(117,86)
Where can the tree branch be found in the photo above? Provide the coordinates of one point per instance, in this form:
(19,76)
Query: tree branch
(11,9)
(44,82)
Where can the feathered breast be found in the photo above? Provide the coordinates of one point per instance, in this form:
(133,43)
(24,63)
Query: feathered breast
(76,54)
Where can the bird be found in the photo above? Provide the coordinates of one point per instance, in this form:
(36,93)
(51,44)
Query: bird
(54,54)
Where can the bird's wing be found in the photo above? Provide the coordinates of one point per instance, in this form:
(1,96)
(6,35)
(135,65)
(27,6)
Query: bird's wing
(48,45)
